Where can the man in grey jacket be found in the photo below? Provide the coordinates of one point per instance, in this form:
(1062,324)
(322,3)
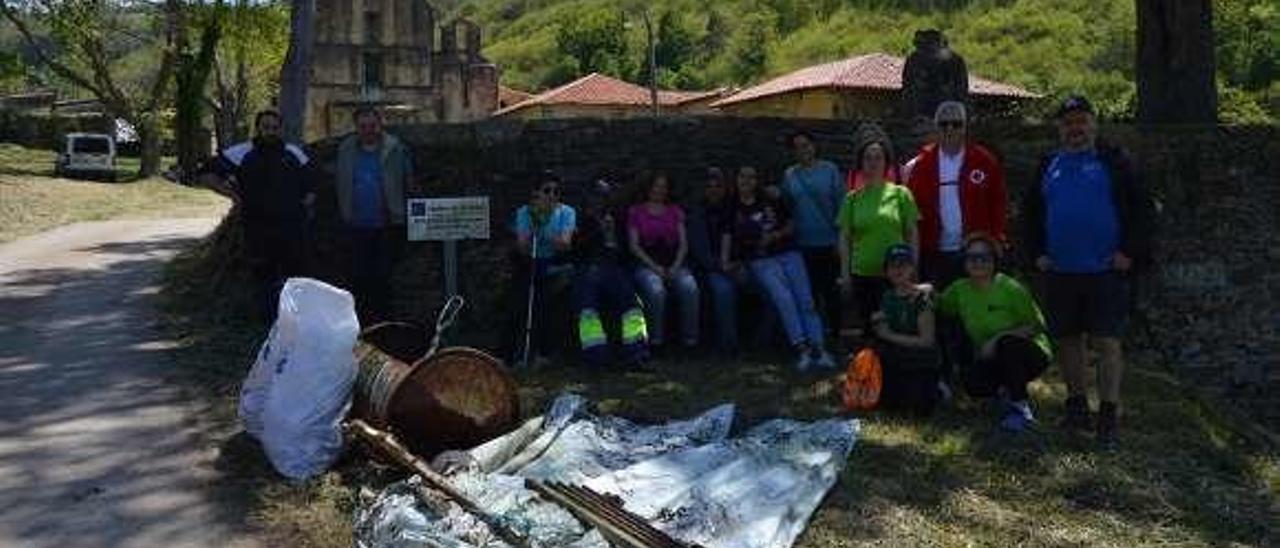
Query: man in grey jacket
(373,169)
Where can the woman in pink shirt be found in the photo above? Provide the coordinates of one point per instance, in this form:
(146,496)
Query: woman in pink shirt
(655,228)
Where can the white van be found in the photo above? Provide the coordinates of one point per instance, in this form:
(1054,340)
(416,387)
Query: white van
(88,155)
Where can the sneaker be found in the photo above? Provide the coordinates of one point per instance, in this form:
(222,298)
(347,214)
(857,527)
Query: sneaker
(804,362)
(1017,417)
(1108,426)
(1077,417)
(824,360)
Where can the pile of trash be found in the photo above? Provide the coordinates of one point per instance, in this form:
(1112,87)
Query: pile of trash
(688,479)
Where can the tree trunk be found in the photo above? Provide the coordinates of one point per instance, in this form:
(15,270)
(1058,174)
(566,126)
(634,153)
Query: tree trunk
(148,129)
(1175,62)
(295,75)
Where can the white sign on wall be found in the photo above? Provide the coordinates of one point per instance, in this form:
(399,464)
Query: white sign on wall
(448,219)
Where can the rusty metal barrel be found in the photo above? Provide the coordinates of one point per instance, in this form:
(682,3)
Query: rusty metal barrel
(453,398)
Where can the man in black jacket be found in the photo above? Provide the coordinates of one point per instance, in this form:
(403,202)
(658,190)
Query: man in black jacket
(274,188)
(1088,226)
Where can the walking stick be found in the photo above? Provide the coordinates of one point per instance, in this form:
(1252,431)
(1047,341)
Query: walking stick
(533,277)
(387,444)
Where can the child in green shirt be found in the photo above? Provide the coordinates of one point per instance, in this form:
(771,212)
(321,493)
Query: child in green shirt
(904,329)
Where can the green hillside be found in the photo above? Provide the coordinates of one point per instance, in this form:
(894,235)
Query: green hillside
(1049,46)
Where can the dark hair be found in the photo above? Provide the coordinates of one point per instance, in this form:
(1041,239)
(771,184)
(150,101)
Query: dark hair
(871,134)
(545,176)
(257,118)
(985,238)
(645,185)
(365,110)
(791,139)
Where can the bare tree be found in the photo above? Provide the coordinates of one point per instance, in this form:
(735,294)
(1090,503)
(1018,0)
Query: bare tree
(1175,62)
(295,75)
(81,34)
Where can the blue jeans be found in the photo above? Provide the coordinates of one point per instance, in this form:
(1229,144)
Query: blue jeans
(653,291)
(724,299)
(784,278)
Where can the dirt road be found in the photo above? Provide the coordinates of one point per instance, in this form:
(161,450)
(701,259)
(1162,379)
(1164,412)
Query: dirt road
(96,449)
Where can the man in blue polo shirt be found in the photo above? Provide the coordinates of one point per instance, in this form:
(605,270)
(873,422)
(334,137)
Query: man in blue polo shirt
(1088,225)
(816,190)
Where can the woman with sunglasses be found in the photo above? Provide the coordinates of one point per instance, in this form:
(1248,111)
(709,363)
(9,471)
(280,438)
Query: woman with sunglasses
(872,219)
(1006,329)
(544,233)
(761,237)
(656,233)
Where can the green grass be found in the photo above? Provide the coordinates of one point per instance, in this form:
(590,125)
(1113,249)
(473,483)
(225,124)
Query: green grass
(31,200)
(1185,474)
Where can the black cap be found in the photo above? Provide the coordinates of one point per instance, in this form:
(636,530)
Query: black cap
(1074,103)
(899,253)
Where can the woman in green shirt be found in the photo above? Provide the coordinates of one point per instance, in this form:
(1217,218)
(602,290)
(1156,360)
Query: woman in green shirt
(873,218)
(1006,328)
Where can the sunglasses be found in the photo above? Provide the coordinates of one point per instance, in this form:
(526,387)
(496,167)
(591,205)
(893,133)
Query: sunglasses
(979,257)
(549,190)
(950,124)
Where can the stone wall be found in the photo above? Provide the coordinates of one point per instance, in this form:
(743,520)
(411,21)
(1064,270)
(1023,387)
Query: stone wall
(1208,308)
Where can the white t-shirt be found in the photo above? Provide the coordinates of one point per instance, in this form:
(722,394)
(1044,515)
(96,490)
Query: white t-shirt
(952,237)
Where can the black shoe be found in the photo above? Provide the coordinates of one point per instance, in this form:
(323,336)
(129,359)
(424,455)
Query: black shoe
(1077,418)
(1108,427)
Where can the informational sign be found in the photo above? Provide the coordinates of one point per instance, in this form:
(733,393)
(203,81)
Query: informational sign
(448,219)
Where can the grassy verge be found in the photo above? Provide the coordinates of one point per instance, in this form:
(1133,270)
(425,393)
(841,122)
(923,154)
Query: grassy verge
(1183,476)
(31,203)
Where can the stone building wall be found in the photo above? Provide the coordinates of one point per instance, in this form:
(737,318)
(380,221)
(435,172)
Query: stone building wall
(396,54)
(1208,309)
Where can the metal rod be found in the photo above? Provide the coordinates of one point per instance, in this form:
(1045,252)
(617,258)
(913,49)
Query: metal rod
(616,533)
(613,516)
(614,511)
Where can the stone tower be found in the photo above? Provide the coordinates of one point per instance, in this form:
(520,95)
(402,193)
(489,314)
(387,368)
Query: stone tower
(393,54)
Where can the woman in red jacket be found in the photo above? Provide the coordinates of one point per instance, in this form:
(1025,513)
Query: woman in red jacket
(960,189)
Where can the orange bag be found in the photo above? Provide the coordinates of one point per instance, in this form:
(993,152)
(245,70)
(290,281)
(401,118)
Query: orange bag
(863,380)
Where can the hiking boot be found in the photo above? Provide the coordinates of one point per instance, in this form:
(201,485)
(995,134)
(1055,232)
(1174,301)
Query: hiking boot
(1077,416)
(804,362)
(1108,426)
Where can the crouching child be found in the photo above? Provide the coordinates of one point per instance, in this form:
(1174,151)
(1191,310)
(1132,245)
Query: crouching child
(904,331)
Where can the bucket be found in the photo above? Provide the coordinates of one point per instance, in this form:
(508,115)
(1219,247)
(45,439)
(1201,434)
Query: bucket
(454,398)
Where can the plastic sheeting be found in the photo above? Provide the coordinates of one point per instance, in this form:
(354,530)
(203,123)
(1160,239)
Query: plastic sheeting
(687,478)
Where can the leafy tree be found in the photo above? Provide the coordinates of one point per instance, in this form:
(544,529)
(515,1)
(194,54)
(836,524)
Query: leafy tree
(89,45)
(191,78)
(596,39)
(676,44)
(13,73)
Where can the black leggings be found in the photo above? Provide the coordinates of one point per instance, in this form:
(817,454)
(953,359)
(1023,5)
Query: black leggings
(910,378)
(1017,361)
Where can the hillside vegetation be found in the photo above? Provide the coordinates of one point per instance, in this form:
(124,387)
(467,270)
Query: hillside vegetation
(1052,47)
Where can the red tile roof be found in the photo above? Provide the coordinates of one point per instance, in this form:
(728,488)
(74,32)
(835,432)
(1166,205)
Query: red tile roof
(511,96)
(598,89)
(874,71)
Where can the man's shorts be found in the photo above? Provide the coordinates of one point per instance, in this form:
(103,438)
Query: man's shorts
(1096,304)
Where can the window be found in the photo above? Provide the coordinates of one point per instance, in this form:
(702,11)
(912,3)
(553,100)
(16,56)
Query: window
(371,75)
(372,27)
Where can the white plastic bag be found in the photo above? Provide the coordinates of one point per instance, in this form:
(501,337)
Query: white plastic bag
(299,388)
